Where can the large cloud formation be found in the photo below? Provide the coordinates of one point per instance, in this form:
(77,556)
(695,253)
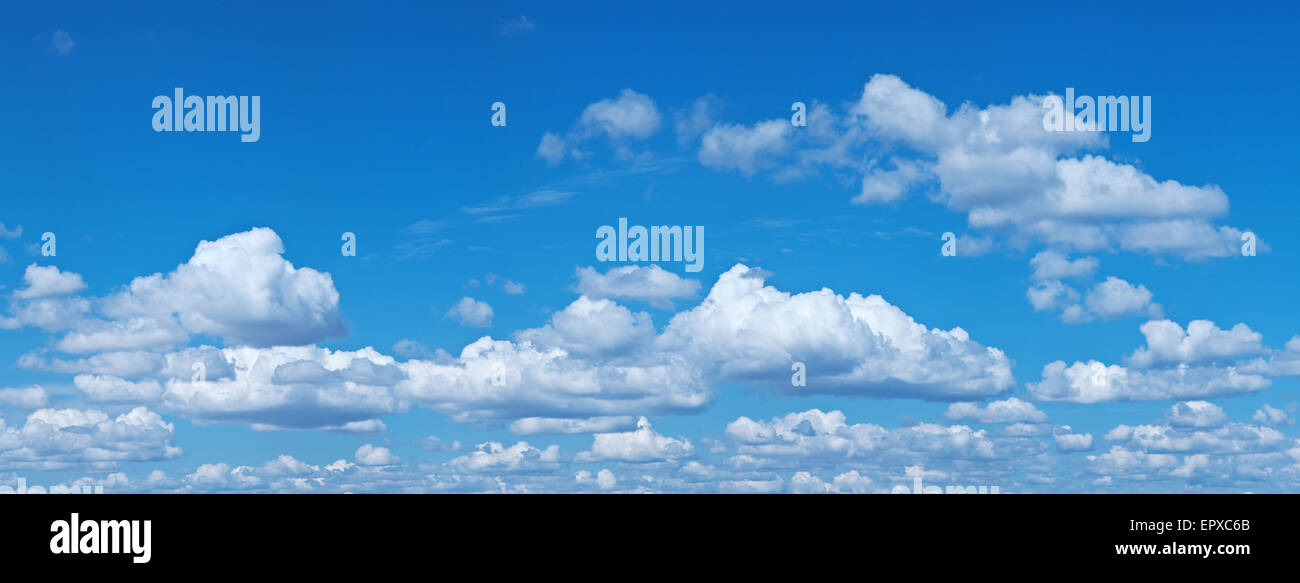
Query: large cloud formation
(238,287)
(60,438)
(1007,173)
(997,164)
(855,345)
(1199,362)
(595,364)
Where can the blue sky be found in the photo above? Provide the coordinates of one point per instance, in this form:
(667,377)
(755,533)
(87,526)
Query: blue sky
(1175,375)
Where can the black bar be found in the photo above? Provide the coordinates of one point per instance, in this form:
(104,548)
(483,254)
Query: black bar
(548,533)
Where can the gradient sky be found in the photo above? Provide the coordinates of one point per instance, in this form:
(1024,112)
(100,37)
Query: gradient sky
(375,120)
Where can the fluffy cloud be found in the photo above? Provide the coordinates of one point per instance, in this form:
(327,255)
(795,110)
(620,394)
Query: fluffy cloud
(237,287)
(471,312)
(285,473)
(240,288)
(407,348)
(852,482)
(808,434)
(1023,429)
(1279,362)
(1196,414)
(807,483)
(1115,297)
(42,282)
(48,314)
(120,363)
(33,397)
(1167,342)
(751,486)
(290,387)
(55,438)
(495,457)
(652,284)
(1138,464)
(598,359)
(818,438)
(552,148)
(631,114)
(1095,382)
(747,149)
(604,479)
(221,476)
(372,455)
(1267,415)
(135,333)
(498,379)
(1232,438)
(111,389)
(372,427)
(1110,299)
(554,426)
(855,345)
(1051,264)
(997,164)
(888,186)
(1011,410)
(589,327)
(1201,362)
(287,465)
(894,109)
(1052,295)
(433,443)
(1069,441)
(793,153)
(641,445)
